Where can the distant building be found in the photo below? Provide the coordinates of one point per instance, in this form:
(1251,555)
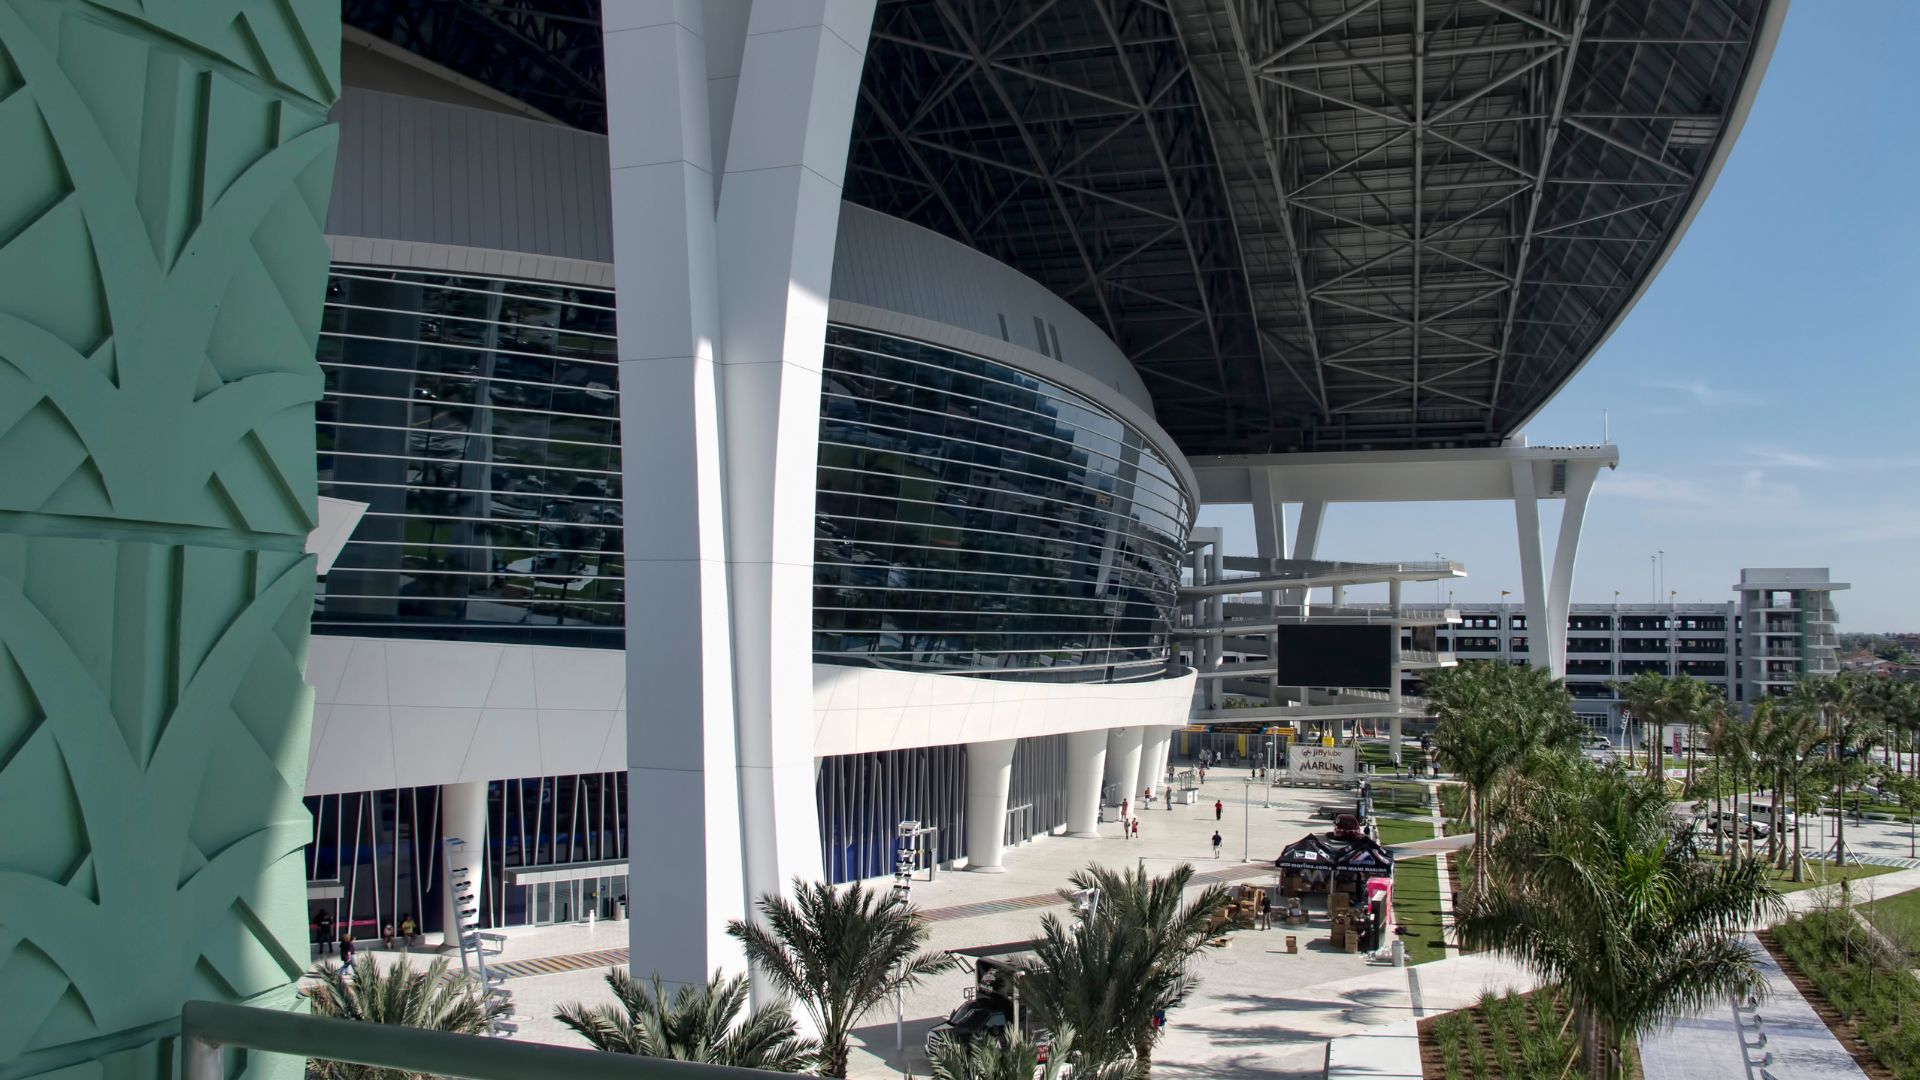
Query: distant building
(1781,626)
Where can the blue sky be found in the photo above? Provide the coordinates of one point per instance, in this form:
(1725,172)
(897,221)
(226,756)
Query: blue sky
(1765,391)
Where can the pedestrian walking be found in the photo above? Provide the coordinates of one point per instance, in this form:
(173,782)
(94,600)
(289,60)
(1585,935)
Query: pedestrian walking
(346,938)
(1216,843)
(1126,809)
(1203,774)
(1169,797)
(1266,910)
(1136,828)
(1219,809)
(408,928)
(386,936)
(323,930)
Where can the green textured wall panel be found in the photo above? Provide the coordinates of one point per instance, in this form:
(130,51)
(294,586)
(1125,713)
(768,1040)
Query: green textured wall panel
(162,269)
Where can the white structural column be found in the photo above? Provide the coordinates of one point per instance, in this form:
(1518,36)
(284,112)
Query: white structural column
(1123,761)
(1573,515)
(1306,536)
(1154,741)
(727,136)
(778,217)
(463,817)
(989,772)
(680,722)
(1533,586)
(1393,673)
(1547,596)
(1086,768)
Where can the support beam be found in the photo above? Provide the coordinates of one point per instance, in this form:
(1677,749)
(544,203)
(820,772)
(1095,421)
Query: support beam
(1573,515)
(1393,673)
(989,774)
(721,294)
(1123,761)
(1154,745)
(1533,585)
(1086,768)
(463,817)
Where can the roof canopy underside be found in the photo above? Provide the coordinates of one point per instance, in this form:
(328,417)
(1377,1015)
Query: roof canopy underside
(1312,224)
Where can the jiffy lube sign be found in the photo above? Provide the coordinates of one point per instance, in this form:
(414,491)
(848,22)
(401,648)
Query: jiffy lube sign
(1320,762)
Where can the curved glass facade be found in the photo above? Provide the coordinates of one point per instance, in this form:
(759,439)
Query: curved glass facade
(479,419)
(975,519)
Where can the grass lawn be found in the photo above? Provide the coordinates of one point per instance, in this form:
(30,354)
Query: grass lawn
(1821,873)
(1818,874)
(1416,907)
(1898,917)
(1404,830)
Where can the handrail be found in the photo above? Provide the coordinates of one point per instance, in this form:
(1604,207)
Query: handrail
(208,1027)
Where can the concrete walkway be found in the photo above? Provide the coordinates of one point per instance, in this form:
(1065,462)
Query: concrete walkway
(1782,1038)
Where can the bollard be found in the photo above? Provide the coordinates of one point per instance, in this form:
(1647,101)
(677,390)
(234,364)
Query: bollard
(1293,944)
(1399,953)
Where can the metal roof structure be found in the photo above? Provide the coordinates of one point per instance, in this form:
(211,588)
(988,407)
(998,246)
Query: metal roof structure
(1312,224)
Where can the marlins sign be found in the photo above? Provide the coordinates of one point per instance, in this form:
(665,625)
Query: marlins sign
(1320,762)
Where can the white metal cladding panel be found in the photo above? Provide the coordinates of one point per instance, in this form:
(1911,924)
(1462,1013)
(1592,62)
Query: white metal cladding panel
(888,263)
(426,171)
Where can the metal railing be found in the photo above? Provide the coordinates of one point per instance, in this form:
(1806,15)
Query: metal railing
(208,1028)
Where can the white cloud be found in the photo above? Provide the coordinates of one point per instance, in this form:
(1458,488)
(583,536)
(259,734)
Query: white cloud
(1778,458)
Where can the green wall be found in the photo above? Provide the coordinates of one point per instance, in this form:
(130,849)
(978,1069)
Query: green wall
(164,172)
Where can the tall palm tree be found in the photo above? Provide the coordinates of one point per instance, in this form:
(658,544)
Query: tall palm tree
(1016,1058)
(1490,721)
(1645,696)
(1791,738)
(1122,959)
(1850,722)
(1596,898)
(838,952)
(694,1023)
(402,995)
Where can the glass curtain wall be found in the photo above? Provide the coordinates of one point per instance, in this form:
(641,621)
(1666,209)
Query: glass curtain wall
(1037,792)
(479,420)
(863,798)
(381,850)
(554,821)
(974,519)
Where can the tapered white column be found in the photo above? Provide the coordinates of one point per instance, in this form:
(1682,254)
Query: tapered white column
(463,817)
(989,772)
(1086,768)
(728,125)
(1153,759)
(1123,761)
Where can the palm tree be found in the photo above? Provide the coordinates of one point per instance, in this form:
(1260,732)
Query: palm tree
(1017,1059)
(839,952)
(1790,736)
(1849,715)
(430,999)
(1124,958)
(1490,721)
(695,1023)
(1597,899)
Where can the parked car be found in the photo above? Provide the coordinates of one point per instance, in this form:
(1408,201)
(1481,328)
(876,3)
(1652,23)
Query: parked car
(1737,825)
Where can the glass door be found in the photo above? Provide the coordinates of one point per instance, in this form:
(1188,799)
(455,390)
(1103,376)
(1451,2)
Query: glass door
(542,903)
(566,900)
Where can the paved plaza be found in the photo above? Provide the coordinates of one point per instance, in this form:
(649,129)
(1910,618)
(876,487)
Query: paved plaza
(1260,1011)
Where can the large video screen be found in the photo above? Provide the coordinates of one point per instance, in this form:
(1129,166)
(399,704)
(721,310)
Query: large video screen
(1355,656)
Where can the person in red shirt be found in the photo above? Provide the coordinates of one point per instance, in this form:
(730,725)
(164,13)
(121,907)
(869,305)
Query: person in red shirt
(1219,808)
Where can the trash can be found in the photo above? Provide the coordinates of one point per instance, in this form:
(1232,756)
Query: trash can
(620,911)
